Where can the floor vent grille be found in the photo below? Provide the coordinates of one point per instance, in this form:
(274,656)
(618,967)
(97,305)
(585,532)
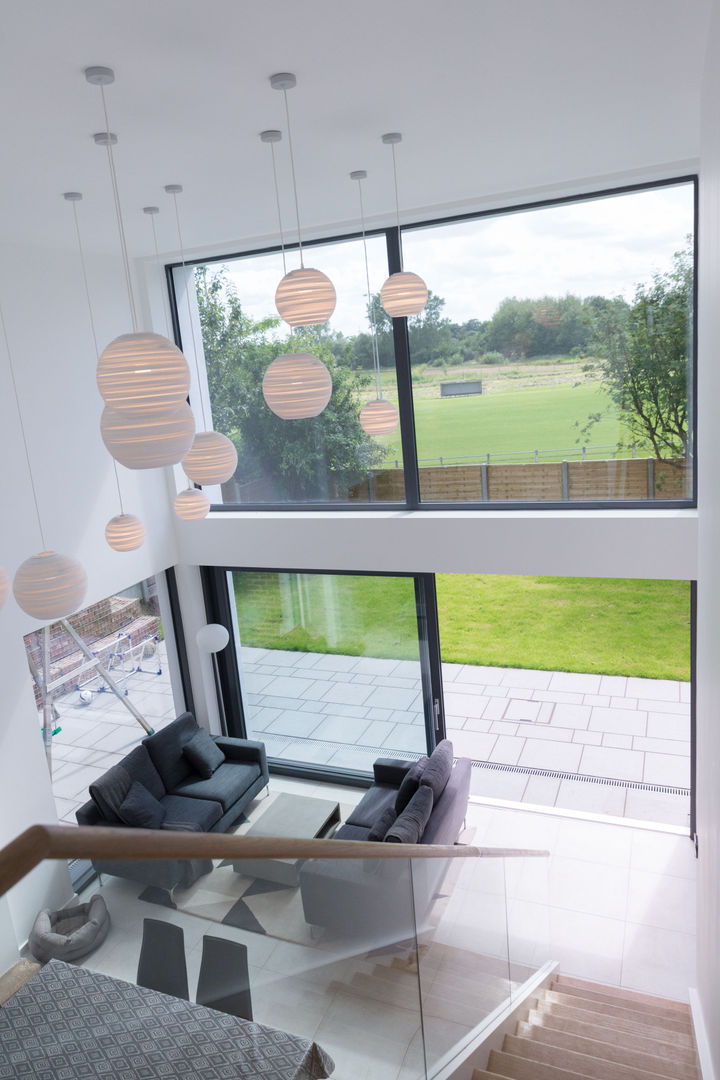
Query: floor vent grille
(555,774)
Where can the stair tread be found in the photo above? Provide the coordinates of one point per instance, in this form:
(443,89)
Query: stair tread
(601,1008)
(624,994)
(447,985)
(659,1062)
(575,1060)
(652,1006)
(660,1034)
(518,1068)
(466,1017)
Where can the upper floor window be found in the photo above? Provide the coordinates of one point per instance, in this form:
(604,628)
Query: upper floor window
(553,363)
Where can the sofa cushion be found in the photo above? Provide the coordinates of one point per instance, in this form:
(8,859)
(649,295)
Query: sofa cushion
(437,771)
(410,784)
(226,785)
(372,804)
(202,812)
(351,832)
(165,748)
(141,809)
(383,823)
(203,754)
(140,767)
(410,825)
(109,790)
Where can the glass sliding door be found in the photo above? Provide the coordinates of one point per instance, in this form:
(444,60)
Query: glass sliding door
(330,666)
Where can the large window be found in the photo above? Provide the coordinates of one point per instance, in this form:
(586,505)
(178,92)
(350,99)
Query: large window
(553,363)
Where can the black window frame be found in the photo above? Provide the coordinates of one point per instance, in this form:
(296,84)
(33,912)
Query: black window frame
(413,501)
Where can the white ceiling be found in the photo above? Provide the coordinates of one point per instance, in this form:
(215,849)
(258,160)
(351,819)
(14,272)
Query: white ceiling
(491,97)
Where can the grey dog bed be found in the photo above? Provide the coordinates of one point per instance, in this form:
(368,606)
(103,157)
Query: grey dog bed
(71,933)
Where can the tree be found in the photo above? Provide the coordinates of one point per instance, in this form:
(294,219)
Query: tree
(296,459)
(646,349)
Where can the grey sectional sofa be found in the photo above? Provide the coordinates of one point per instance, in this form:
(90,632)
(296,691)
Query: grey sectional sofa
(189,801)
(383,899)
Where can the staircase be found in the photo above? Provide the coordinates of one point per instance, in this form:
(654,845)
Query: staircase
(458,987)
(579,1030)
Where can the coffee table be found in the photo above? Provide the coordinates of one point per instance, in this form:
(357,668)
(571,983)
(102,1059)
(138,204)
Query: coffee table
(297,816)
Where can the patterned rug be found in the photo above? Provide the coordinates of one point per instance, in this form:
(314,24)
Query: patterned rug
(265,907)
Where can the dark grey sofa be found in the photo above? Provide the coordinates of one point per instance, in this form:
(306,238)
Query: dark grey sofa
(190,802)
(375,897)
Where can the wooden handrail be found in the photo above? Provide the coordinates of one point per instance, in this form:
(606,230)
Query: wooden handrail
(95,842)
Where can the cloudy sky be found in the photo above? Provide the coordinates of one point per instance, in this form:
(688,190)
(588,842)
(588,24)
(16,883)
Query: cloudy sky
(603,246)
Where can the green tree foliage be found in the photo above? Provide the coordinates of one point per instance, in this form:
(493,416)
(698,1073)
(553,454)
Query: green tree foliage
(646,347)
(297,459)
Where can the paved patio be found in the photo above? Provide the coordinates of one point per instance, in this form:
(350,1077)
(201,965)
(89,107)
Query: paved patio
(530,727)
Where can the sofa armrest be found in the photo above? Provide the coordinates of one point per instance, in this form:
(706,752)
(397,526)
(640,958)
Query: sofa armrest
(243,750)
(391,771)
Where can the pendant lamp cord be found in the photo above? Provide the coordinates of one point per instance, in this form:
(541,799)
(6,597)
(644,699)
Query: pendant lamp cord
(22,427)
(294,182)
(375,349)
(189,311)
(92,326)
(157,260)
(397,201)
(118,215)
(277,204)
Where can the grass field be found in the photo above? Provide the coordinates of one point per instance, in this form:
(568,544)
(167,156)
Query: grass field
(602,626)
(516,412)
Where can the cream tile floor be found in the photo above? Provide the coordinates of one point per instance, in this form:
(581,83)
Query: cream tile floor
(612,903)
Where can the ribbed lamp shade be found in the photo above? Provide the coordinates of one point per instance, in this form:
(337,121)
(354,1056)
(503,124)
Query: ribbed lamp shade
(192,504)
(212,458)
(151,442)
(305,297)
(379,417)
(4,586)
(403,294)
(141,374)
(297,386)
(49,585)
(125,532)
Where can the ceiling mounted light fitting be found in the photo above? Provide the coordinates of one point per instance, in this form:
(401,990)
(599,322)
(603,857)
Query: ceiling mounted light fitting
(142,374)
(403,293)
(211,452)
(297,386)
(378,417)
(304,297)
(125,532)
(117,538)
(151,444)
(47,585)
(192,504)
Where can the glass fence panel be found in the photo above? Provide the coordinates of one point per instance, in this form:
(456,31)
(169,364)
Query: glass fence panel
(353,967)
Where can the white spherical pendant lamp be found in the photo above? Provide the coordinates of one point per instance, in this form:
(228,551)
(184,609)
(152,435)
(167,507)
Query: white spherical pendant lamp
(297,386)
(143,374)
(403,294)
(125,532)
(305,297)
(212,459)
(50,586)
(379,417)
(150,442)
(4,586)
(192,505)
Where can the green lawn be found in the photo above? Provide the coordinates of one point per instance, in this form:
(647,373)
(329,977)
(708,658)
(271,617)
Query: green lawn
(517,419)
(604,626)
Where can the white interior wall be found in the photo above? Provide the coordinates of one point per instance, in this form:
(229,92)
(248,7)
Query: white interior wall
(48,331)
(708,679)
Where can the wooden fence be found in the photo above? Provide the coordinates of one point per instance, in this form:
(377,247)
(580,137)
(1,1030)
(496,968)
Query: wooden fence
(612,480)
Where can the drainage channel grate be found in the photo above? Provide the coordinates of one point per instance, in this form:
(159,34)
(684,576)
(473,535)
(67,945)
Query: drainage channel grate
(555,774)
